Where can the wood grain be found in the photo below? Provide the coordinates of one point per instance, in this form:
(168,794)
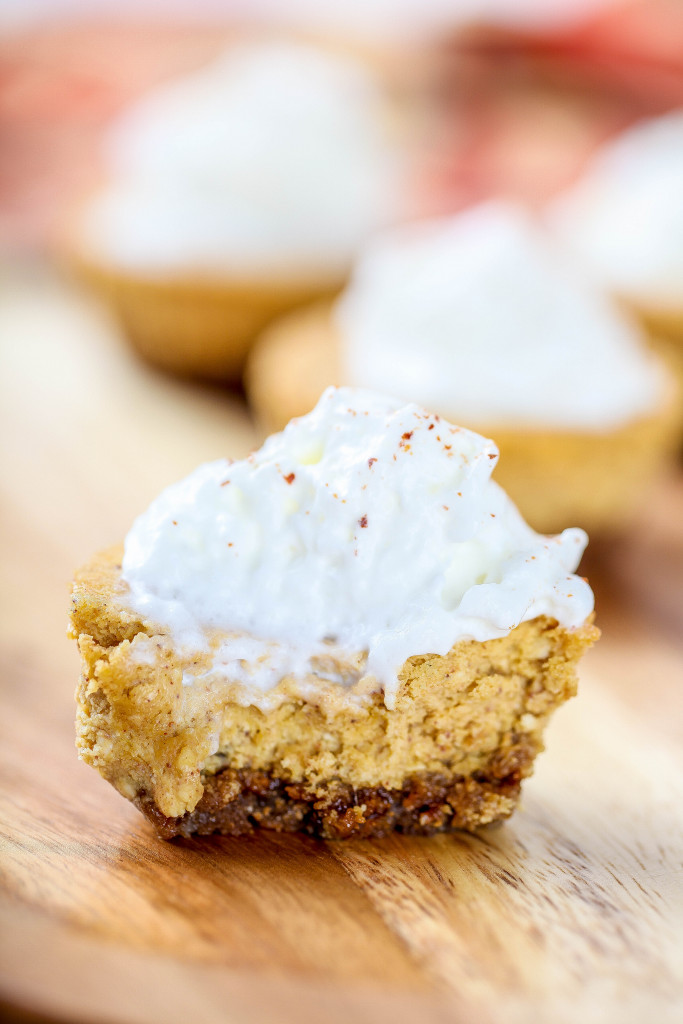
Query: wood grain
(573,910)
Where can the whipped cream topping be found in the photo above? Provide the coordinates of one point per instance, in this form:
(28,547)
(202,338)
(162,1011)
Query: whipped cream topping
(365,532)
(624,218)
(479,317)
(273,156)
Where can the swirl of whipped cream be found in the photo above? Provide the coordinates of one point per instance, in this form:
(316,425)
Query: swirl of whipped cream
(478,316)
(624,218)
(368,525)
(274,156)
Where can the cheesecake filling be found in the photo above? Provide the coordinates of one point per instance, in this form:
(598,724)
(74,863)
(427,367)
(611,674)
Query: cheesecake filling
(365,533)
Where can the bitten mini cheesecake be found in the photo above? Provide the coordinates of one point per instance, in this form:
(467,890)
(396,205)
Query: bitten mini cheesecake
(481,318)
(350,632)
(235,194)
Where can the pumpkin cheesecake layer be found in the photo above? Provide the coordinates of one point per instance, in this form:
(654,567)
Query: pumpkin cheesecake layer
(452,752)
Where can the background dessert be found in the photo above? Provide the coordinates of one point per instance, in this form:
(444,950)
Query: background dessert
(481,318)
(235,194)
(623,220)
(352,630)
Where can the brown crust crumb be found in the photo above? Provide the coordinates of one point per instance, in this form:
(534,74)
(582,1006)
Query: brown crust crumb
(239,802)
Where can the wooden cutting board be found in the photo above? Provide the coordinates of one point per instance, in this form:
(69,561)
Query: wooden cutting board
(571,911)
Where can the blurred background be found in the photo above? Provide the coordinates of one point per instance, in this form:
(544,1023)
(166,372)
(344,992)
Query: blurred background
(520,93)
(197,185)
(207,214)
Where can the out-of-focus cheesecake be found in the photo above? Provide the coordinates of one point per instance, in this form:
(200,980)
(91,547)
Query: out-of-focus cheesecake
(480,317)
(234,195)
(623,221)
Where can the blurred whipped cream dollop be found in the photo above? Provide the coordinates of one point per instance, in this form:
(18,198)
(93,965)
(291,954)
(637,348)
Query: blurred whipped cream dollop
(274,156)
(479,316)
(366,526)
(624,218)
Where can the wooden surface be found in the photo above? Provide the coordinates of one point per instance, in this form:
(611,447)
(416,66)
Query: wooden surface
(571,911)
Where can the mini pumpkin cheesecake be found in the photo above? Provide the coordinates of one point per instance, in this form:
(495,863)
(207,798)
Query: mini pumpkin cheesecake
(480,317)
(350,632)
(623,221)
(235,194)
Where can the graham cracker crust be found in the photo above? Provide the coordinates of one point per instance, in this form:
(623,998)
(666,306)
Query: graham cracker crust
(236,803)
